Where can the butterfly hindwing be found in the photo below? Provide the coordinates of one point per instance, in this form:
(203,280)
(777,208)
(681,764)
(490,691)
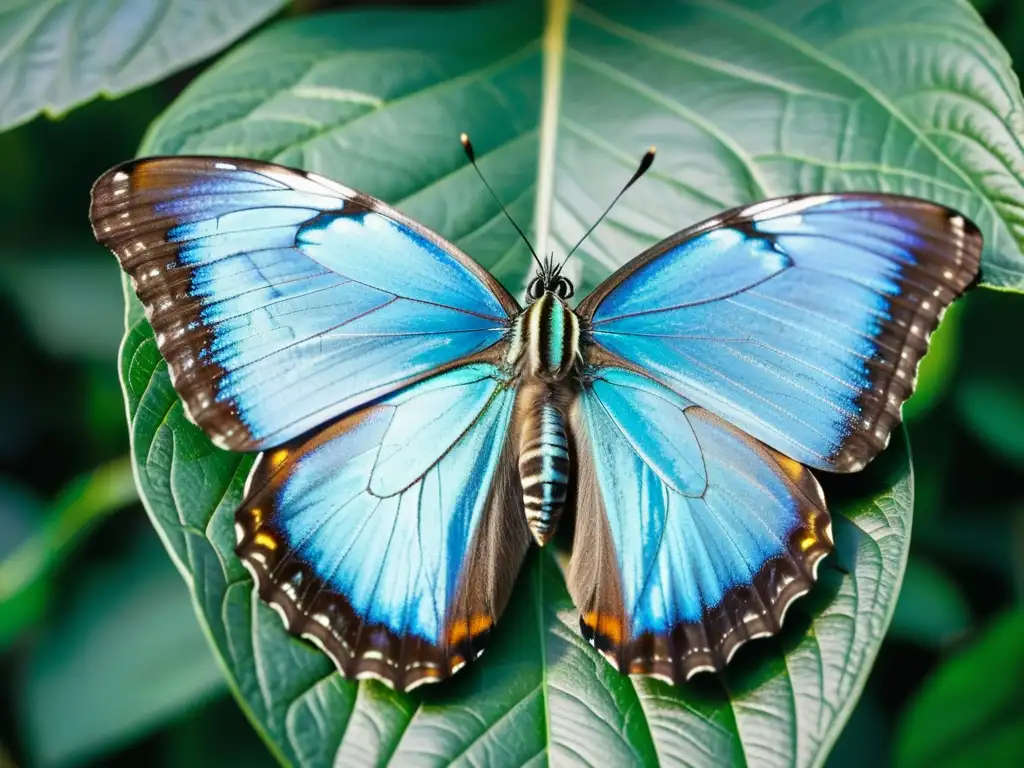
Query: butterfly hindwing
(691,536)
(392,537)
(799,320)
(281,299)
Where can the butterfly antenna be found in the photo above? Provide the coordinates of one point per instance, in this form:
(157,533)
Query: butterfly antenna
(468,147)
(645,164)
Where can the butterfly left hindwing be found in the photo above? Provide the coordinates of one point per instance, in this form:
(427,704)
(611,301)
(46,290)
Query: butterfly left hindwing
(392,537)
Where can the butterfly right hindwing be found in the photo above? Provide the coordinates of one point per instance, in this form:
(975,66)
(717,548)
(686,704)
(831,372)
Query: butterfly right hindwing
(691,537)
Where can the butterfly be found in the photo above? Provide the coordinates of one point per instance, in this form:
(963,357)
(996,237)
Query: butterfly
(418,430)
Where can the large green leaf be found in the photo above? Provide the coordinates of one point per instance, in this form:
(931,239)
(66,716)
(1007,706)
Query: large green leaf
(121,659)
(26,570)
(56,54)
(932,610)
(561,101)
(971,711)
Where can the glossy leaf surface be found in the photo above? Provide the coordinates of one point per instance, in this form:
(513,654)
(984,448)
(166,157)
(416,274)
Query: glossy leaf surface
(56,54)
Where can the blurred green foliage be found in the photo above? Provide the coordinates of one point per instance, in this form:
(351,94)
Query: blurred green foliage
(89,604)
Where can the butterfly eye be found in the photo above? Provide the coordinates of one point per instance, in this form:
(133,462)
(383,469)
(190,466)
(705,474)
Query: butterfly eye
(563,288)
(535,289)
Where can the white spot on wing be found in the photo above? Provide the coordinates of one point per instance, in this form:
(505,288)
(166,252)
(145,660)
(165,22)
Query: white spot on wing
(369,674)
(426,679)
(771,209)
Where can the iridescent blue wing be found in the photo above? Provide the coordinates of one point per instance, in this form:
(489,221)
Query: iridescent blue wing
(691,536)
(281,299)
(392,537)
(799,320)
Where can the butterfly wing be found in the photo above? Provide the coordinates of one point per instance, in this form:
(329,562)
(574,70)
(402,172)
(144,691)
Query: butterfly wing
(281,299)
(692,537)
(392,537)
(799,320)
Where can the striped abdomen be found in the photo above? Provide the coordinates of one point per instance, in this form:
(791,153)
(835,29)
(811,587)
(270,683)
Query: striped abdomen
(544,469)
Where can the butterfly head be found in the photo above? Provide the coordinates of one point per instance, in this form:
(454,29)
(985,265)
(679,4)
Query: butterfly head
(549,280)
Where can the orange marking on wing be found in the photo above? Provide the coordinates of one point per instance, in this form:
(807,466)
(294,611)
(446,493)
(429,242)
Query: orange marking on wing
(257,516)
(810,537)
(604,624)
(265,540)
(145,176)
(463,629)
(793,469)
(278,457)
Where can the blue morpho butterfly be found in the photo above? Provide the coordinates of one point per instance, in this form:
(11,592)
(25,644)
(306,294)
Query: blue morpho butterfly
(418,428)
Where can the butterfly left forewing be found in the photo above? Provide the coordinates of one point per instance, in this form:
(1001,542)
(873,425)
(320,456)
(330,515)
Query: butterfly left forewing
(392,537)
(281,299)
(691,536)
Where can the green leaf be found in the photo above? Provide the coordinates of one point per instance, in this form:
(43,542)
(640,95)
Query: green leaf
(993,409)
(970,712)
(932,610)
(561,102)
(25,570)
(57,54)
(126,657)
(55,291)
(19,515)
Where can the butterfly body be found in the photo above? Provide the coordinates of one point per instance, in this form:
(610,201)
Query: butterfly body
(545,356)
(419,430)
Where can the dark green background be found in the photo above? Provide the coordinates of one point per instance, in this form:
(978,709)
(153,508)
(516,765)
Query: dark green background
(95,569)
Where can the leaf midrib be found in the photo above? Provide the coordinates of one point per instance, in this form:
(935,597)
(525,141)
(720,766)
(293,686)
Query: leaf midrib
(553,45)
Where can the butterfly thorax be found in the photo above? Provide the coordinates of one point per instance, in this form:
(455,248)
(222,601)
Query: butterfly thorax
(545,342)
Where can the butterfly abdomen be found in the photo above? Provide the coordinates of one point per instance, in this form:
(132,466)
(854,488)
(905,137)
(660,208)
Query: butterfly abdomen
(544,469)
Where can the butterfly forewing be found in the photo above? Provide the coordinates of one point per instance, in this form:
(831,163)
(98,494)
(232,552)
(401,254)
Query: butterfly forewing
(281,299)
(800,320)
